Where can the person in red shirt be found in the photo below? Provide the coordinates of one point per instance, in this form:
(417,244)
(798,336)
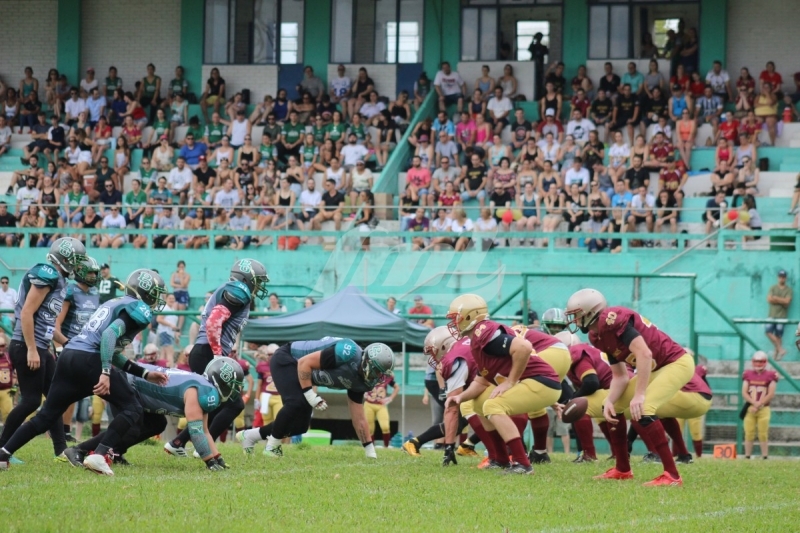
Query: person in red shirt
(662,368)
(421,309)
(729,129)
(671,179)
(418,182)
(758,389)
(768,75)
(660,150)
(524,382)
(579,101)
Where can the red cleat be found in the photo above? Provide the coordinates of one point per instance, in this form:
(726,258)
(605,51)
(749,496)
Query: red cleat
(613,473)
(664,480)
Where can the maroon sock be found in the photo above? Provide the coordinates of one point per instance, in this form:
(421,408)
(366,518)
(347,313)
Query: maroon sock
(386,438)
(499,446)
(673,429)
(653,435)
(584,430)
(477,427)
(520,421)
(462,438)
(224,436)
(539,426)
(698,447)
(95,430)
(607,435)
(618,437)
(517,449)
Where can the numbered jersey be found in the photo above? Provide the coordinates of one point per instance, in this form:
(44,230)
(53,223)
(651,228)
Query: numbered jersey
(82,306)
(44,319)
(340,361)
(138,318)
(6,372)
(612,323)
(107,288)
(494,369)
(237,296)
(586,360)
(168,399)
(758,382)
(460,354)
(379,392)
(265,375)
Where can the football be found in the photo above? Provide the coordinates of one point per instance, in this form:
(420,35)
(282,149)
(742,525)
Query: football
(574,410)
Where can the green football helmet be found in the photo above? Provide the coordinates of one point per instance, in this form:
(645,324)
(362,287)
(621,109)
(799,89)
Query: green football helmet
(226,375)
(554,321)
(67,253)
(88,272)
(253,274)
(146,285)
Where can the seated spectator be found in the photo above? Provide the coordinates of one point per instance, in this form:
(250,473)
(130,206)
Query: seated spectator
(575,205)
(449,197)
(577,175)
(787,112)
(709,109)
(340,88)
(310,198)
(441,224)
(720,82)
(634,78)
(421,89)
(441,124)
(28,111)
(636,176)
(102,139)
(122,159)
(672,180)
(567,153)
(425,152)
(594,150)
(728,129)
(72,107)
(90,220)
(367,221)
(49,195)
(499,108)
(191,151)
(485,84)
(597,222)
(550,149)
(712,214)
(462,227)
(5,136)
(666,212)
(134,110)
(446,148)
(486,223)
(179,181)
(659,151)
(550,125)
(49,219)
(57,139)
(697,86)
(117,107)
(418,223)
(160,195)
(113,220)
(353,152)
(508,83)
(311,84)
(653,80)
(555,76)
(601,111)
(504,179)
(722,179)
(336,173)
(686,132)
(619,154)
(132,133)
(580,102)
(771,77)
(400,109)
(450,87)
(360,91)
(418,182)
(233,106)
(525,175)
(654,109)
(134,203)
(766,109)
(579,127)
(336,131)
(602,176)
(7,220)
(361,179)
(74,203)
(167,220)
(285,200)
(626,113)
(227,196)
(642,205)
(528,203)
(327,153)
(240,221)
(552,100)
(361,131)
(39,136)
(108,198)
(548,179)
(306,106)
(552,211)
(214,93)
(622,197)
(372,107)
(477,105)
(473,180)
(520,129)
(330,208)
(724,152)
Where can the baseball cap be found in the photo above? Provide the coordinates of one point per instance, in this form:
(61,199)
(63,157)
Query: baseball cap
(104,266)
(676,87)
(418,298)
(782,273)
(550,113)
(201,158)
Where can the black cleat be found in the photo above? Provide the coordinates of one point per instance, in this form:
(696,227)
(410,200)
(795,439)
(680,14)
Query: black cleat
(539,458)
(69,438)
(650,457)
(74,456)
(685,459)
(120,460)
(583,458)
(517,468)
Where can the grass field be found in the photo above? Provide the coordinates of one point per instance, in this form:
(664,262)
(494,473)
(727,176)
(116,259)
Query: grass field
(337,489)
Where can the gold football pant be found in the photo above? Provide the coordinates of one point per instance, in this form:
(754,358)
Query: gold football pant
(527,396)
(663,384)
(695,427)
(273,405)
(684,405)
(560,360)
(98,406)
(6,404)
(757,421)
(379,412)
(596,400)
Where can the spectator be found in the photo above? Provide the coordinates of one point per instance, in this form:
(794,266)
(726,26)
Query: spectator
(361,179)
(420,308)
(653,80)
(109,196)
(666,212)
(521,130)
(552,100)
(487,224)
(8,299)
(450,87)
(238,129)
(508,83)
(227,196)
(134,110)
(597,224)
(659,151)
(709,109)
(634,78)
(443,124)
(310,198)
(361,89)
(275,305)
(485,84)
(779,298)
(626,110)
(400,109)
(311,84)
(622,197)
(642,205)
(73,107)
(579,127)
(749,175)
(655,108)
(191,151)
(56,137)
(418,182)
(214,94)
(580,101)
(610,82)
(28,111)
(636,176)
(113,220)
(372,107)
(462,227)
(167,220)
(722,179)
(574,208)
(353,152)
(418,223)
(758,390)
(555,76)
(167,332)
(134,202)
(619,155)
(330,208)
(539,54)
(473,179)
(671,180)
(577,175)
(553,209)
(766,109)
(391,305)
(771,77)
(720,82)
(74,202)
(179,180)
(725,153)
(27,195)
(240,222)
(603,178)
(528,203)
(499,109)
(340,88)
(552,126)
(711,216)
(122,159)
(749,218)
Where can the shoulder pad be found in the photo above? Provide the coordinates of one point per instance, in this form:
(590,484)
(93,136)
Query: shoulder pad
(346,350)
(43,275)
(70,292)
(140,312)
(614,319)
(208,398)
(485,332)
(93,290)
(237,292)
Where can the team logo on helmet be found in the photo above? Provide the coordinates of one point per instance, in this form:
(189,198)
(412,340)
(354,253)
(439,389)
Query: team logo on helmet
(145,281)
(227,373)
(374,351)
(65,248)
(246,266)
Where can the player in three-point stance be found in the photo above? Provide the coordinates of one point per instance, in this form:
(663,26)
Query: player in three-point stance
(662,368)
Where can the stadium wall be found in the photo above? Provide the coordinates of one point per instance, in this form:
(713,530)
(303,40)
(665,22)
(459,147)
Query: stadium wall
(28,40)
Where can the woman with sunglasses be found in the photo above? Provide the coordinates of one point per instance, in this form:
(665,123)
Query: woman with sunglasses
(749,174)
(248,152)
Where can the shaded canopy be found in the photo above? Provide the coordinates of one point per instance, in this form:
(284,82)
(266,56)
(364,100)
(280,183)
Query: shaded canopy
(349,313)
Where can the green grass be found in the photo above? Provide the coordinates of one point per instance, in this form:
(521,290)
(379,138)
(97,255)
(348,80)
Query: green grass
(336,489)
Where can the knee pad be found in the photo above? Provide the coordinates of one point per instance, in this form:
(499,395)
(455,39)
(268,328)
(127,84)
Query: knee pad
(647,420)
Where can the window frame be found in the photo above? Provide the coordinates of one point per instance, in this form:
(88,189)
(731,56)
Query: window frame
(517,36)
(278,37)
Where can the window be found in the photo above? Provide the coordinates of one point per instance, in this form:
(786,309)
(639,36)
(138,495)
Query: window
(247,32)
(479,34)
(660,29)
(526,29)
(376,31)
(609,32)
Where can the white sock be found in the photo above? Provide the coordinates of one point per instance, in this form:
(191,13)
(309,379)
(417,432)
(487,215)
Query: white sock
(272,442)
(540,452)
(250,433)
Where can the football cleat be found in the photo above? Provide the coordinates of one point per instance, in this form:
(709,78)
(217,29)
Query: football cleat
(685,459)
(14,461)
(466,451)
(248,439)
(196,455)
(650,457)
(69,438)
(411,447)
(664,480)
(491,464)
(484,463)
(276,451)
(517,468)
(177,451)
(120,460)
(99,464)
(583,458)
(613,473)
(538,458)
(74,456)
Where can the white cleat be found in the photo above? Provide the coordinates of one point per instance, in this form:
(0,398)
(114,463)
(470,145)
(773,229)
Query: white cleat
(248,438)
(99,464)
(177,451)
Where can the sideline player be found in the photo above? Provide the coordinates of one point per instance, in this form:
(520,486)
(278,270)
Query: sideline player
(224,316)
(184,395)
(554,321)
(80,303)
(84,367)
(524,382)
(375,407)
(39,300)
(758,389)
(330,362)
(662,368)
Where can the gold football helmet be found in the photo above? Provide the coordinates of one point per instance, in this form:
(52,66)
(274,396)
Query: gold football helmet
(465,313)
(437,343)
(583,308)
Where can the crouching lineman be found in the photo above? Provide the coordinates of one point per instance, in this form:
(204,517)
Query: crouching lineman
(662,368)
(84,368)
(525,383)
(223,317)
(330,362)
(184,395)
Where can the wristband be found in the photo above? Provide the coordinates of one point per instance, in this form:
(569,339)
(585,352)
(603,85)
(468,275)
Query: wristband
(106,372)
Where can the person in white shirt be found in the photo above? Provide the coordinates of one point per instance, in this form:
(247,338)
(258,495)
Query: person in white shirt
(336,173)
(180,179)
(361,180)
(113,220)
(619,154)
(577,174)
(26,195)
(450,87)
(239,221)
(579,127)
(8,298)
(310,199)
(372,107)
(353,152)
(340,89)
(74,107)
(167,330)
(227,196)
(642,211)
(487,224)
(499,108)
(720,82)
(5,136)
(89,82)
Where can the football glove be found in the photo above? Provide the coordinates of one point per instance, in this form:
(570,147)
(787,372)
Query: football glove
(449,455)
(221,462)
(315,400)
(213,465)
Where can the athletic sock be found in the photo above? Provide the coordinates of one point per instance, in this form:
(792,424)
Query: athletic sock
(272,442)
(517,449)
(386,438)
(501,453)
(224,436)
(619,443)
(604,428)
(698,447)
(539,426)
(474,439)
(520,421)
(653,435)
(673,429)
(583,429)
(67,429)
(481,435)
(265,431)
(95,430)
(462,438)
(101,449)
(434,432)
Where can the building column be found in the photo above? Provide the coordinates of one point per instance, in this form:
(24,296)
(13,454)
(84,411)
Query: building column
(192,19)
(68,51)
(713,33)
(317,36)
(575,36)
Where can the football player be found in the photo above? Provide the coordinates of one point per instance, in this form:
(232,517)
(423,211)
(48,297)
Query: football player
(80,303)
(758,389)
(662,368)
(39,300)
(184,395)
(330,362)
(695,424)
(554,321)
(524,382)
(84,367)
(270,399)
(375,406)
(238,422)
(223,317)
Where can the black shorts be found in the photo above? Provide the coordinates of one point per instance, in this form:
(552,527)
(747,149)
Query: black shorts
(295,416)
(450,99)
(199,358)
(503,121)
(639,220)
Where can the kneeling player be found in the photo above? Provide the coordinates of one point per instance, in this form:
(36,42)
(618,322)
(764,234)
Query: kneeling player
(329,362)
(184,395)
(662,367)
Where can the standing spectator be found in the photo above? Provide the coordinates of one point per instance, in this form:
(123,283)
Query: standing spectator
(275,305)
(179,281)
(108,285)
(421,309)
(391,305)
(778,298)
(720,82)
(8,299)
(167,331)
(450,87)
(539,54)
(214,95)
(758,390)
(311,84)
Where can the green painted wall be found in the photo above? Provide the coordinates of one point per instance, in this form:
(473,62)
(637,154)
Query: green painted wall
(713,32)
(441,34)
(317,36)
(575,35)
(192,19)
(68,53)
